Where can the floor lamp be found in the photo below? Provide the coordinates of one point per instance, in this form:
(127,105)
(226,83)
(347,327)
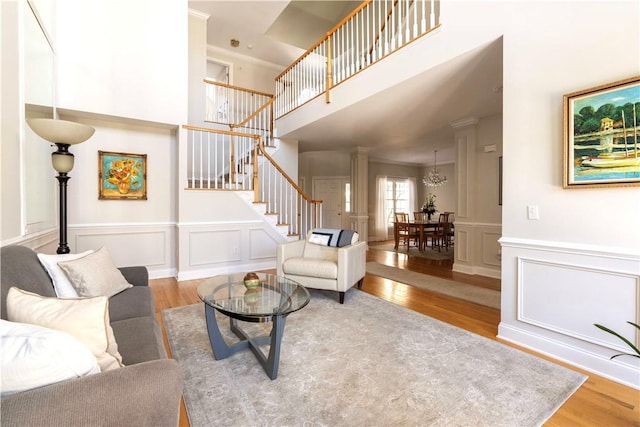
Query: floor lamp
(64,134)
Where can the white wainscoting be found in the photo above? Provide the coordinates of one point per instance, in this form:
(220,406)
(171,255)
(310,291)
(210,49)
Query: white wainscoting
(148,244)
(209,249)
(477,250)
(553,294)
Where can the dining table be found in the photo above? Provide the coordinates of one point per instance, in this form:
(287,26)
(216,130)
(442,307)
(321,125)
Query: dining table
(422,228)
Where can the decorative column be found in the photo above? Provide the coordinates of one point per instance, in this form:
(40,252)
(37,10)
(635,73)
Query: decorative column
(360,192)
(465,240)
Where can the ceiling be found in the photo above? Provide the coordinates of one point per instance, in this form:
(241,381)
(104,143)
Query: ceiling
(404,124)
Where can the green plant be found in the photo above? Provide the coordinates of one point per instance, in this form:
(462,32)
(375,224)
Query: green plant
(629,343)
(429,206)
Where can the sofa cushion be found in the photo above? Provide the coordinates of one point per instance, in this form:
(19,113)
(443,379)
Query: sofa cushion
(21,268)
(314,267)
(34,356)
(139,340)
(133,302)
(61,283)
(87,319)
(95,275)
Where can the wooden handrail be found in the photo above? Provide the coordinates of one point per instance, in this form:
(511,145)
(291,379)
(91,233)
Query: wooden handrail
(325,37)
(255,113)
(225,132)
(284,174)
(237,88)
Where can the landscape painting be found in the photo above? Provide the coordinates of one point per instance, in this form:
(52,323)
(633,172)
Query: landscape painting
(602,135)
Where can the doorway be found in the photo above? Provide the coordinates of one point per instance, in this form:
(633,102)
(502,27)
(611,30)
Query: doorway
(334,193)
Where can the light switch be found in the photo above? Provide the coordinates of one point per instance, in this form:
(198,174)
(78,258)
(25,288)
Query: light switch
(533,212)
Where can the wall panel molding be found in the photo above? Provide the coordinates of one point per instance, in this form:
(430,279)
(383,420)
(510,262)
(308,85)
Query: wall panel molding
(148,244)
(553,293)
(210,248)
(546,289)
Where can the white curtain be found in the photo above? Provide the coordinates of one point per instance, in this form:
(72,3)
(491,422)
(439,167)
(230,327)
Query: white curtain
(382,232)
(413,196)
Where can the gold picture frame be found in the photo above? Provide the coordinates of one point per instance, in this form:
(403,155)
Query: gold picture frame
(122,176)
(602,136)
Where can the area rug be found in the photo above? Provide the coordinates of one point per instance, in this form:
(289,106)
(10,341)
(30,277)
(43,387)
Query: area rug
(413,251)
(451,288)
(366,362)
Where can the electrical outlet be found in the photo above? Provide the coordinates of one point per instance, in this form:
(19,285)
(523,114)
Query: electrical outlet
(533,212)
(235,251)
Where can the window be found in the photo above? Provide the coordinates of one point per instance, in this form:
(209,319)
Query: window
(398,198)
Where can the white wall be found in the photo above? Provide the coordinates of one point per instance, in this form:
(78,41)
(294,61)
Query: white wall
(11,107)
(563,272)
(322,164)
(249,73)
(121,71)
(197,68)
(124,58)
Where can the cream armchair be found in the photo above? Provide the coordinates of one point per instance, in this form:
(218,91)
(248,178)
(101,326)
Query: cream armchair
(319,266)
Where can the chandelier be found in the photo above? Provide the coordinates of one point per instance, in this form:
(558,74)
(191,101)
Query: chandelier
(434,179)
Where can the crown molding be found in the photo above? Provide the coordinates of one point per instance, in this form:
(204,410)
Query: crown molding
(467,121)
(198,14)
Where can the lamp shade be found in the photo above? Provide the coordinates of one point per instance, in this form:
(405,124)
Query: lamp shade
(62,161)
(61,131)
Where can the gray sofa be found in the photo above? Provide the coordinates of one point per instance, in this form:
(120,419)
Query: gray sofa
(146,392)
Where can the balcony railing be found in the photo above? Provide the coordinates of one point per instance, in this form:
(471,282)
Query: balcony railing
(230,160)
(372,31)
(243,110)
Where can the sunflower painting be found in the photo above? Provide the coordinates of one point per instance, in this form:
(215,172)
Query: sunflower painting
(122,176)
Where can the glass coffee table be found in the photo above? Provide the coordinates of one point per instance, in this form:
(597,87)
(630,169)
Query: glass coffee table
(272,300)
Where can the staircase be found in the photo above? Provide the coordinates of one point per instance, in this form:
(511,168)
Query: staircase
(240,160)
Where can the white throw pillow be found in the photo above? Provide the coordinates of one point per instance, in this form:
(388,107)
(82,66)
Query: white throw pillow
(95,275)
(61,283)
(33,356)
(87,319)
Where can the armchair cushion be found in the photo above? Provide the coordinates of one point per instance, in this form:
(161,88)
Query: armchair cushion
(332,237)
(323,267)
(315,267)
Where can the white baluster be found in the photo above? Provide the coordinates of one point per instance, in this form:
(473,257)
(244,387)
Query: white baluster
(386,29)
(407,21)
(433,14)
(392,18)
(399,13)
(415,18)
(208,159)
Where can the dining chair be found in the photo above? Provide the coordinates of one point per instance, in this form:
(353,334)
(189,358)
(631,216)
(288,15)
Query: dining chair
(407,233)
(451,232)
(426,231)
(439,235)
(401,219)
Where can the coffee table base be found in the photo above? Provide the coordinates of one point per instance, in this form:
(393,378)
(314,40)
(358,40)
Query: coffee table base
(221,350)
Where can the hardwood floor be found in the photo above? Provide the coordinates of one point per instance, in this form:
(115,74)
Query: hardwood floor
(599,402)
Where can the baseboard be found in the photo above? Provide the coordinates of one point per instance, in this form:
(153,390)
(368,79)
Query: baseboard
(162,273)
(578,357)
(476,270)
